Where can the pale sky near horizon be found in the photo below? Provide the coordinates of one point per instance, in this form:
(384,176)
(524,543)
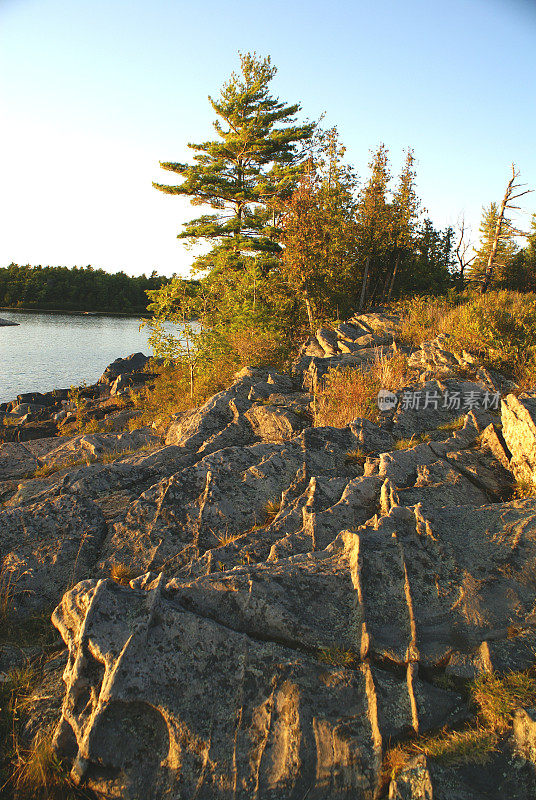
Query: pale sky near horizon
(93,95)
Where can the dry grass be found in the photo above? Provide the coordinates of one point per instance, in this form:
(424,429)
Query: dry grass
(454,425)
(498,696)
(495,697)
(350,392)
(28,772)
(357,456)
(49,469)
(219,359)
(7,585)
(225,538)
(271,510)
(115,455)
(500,327)
(407,444)
(394,761)
(470,746)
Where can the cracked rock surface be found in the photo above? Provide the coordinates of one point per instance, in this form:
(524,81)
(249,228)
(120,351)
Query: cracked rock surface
(297,610)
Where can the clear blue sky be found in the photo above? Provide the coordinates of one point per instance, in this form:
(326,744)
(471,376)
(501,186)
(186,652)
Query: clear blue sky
(94,94)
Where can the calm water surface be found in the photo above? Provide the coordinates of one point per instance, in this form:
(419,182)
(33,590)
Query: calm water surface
(55,351)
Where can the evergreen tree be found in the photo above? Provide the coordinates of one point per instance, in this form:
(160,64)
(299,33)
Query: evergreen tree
(254,163)
(404,215)
(374,224)
(319,232)
(506,247)
(430,267)
(520,271)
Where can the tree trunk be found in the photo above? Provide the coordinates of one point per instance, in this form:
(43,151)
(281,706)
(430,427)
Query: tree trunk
(391,287)
(309,314)
(364,288)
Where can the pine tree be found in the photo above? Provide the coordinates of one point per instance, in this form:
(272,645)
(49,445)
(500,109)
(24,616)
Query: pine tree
(254,163)
(430,267)
(506,246)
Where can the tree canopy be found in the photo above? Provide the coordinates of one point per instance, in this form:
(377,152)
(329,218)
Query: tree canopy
(244,173)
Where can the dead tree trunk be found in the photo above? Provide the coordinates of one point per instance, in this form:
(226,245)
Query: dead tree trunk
(461,252)
(506,203)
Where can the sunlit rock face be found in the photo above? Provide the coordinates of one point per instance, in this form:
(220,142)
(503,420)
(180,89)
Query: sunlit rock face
(295,599)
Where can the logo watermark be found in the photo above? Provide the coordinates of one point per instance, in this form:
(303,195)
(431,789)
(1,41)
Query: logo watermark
(447,401)
(387,400)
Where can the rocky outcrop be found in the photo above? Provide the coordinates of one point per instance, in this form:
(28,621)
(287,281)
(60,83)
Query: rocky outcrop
(6,322)
(519,431)
(295,599)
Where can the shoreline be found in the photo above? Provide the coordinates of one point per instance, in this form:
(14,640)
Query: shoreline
(140,313)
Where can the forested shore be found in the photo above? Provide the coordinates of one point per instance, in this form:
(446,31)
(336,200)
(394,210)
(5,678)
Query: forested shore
(75,289)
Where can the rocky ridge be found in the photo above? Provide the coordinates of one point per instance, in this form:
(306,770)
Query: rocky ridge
(300,598)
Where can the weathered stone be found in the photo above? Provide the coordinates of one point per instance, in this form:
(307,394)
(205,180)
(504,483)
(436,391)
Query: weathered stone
(327,339)
(413,782)
(121,366)
(274,424)
(16,461)
(47,547)
(525,733)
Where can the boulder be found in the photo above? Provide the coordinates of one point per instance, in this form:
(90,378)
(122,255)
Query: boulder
(121,366)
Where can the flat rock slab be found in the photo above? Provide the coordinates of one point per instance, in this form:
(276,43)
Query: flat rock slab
(210,712)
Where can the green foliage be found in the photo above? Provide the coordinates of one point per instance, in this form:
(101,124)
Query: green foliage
(519,272)
(506,249)
(76,289)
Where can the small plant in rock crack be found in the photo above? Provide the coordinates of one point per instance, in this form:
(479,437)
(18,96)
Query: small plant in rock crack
(122,573)
(271,510)
(524,489)
(453,425)
(357,456)
(337,656)
(225,538)
(407,444)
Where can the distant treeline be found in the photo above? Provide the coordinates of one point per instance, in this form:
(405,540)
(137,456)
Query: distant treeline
(75,288)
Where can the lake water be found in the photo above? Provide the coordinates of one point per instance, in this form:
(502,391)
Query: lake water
(55,351)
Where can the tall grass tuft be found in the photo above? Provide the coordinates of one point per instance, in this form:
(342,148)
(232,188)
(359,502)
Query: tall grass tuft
(351,392)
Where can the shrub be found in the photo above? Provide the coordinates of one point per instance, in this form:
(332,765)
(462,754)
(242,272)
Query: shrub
(221,354)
